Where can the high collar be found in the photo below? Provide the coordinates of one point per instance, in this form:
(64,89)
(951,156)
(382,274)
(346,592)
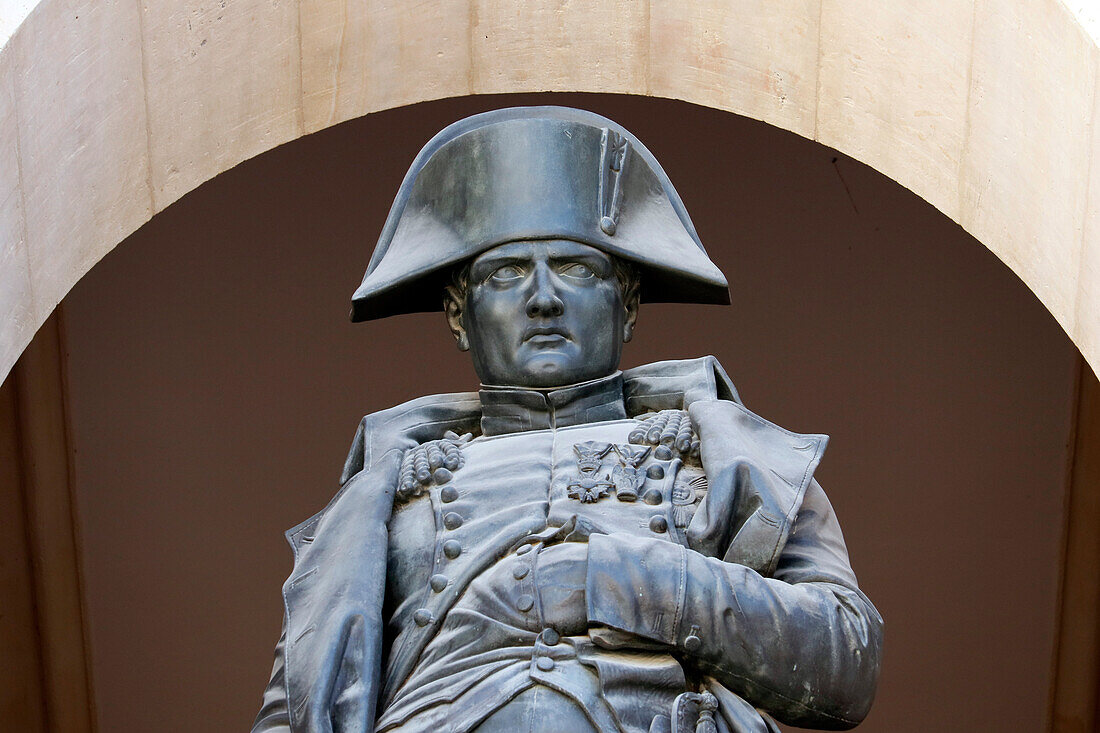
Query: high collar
(515,409)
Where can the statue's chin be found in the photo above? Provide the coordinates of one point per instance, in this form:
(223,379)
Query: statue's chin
(548,370)
(539,366)
(556,370)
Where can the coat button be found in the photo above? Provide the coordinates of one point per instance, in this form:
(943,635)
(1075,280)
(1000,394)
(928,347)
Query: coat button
(439,582)
(655,472)
(653,497)
(448,494)
(452,520)
(546,664)
(422,617)
(692,643)
(452,549)
(442,475)
(519,572)
(663,453)
(658,524)
(550,637)
(523,549)
(525,603)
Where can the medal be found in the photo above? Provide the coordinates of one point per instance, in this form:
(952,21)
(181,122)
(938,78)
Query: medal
(627,476)
(589,486)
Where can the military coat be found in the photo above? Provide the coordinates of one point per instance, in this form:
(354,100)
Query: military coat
(715,553)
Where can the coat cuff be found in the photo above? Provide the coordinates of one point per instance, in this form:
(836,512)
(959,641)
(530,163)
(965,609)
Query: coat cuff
(637,585)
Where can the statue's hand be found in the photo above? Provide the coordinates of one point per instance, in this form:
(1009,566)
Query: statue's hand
(562,573)
(560,580)
(579,529)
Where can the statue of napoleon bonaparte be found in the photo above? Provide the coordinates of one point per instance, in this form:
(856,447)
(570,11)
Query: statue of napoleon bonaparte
(572,547)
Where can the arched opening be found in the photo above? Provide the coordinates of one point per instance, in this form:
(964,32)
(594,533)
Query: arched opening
(214,383)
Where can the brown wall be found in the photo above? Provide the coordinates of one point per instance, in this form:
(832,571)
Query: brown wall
(215,384)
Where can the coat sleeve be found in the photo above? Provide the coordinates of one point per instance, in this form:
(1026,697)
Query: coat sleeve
(273,716)
(803,645)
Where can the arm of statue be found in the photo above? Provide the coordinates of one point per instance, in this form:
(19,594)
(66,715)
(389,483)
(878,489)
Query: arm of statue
(803,645)
(274,716)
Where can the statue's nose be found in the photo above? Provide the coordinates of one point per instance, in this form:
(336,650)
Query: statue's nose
(544,301)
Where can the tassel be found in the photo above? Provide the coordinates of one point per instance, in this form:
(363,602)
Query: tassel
(708,705)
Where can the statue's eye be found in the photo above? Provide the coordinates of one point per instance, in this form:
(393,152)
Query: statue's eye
(577,270)
(506,273)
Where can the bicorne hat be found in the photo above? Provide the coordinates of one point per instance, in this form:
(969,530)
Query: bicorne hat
(528,173)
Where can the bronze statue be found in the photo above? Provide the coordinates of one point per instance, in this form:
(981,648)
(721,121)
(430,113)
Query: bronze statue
(571,548)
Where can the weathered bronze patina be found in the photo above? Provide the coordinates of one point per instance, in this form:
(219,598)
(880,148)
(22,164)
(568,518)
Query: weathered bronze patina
(572,547)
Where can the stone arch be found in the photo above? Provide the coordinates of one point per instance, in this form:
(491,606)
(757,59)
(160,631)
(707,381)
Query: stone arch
(110,111)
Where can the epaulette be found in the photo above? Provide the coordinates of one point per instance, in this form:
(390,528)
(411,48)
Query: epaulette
(432,462)
(668,430)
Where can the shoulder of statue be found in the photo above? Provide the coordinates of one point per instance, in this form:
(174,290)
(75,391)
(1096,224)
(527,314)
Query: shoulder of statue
(675,384)
(411,424)
(658,396)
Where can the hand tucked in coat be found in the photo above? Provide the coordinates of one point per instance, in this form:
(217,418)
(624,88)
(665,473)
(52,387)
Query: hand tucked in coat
(560,578)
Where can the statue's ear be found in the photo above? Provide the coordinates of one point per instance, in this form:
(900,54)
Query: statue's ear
(631,301)
(454,307)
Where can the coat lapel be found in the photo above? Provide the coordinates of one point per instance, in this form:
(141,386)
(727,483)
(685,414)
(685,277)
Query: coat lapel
(334,595)
(757,473)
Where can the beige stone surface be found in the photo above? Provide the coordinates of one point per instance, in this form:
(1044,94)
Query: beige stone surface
(223,84)
(983,107)
(81,138)
(16,301)
(1024,172)
(893,89)
(757,58)
(360,56)
(550,45)
(1086,333)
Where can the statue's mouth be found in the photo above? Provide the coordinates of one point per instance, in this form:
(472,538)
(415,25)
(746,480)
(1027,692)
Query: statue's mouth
(545,336)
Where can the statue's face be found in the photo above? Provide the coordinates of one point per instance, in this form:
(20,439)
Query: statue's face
(543,313)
